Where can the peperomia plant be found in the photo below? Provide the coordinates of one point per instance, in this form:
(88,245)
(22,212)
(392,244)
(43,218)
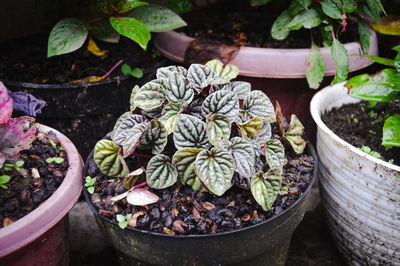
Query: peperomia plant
(329,18)
(219,131)
(131,18)
(381,87)
(16,134)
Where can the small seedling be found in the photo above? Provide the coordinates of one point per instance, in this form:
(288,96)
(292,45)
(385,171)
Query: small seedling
(368,150)
(355,120)
(89,184)
(55,159)
(53,144)
(123,220)
(136,72)
(10,166)
(3,180)
(391,161)
(372,132)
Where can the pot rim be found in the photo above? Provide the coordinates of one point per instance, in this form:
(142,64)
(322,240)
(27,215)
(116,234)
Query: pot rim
(254,55)
(116,79)
(311,151)
(316,109)
(32,226)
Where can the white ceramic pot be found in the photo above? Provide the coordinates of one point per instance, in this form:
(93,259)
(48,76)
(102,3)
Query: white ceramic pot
(269,62)
(361,194)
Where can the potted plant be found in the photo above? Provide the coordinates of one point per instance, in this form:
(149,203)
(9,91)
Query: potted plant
(40,176)
(365,228)
(195,173)
(282,60)
(77,85)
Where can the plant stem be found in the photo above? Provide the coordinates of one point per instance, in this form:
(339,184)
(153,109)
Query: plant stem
(139,185)
(142,155)
(112,69)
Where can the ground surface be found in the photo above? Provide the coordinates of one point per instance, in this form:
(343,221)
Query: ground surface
(311,243)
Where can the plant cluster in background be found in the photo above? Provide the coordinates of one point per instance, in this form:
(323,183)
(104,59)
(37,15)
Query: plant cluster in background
(16,134)
(131,18)
(203,131)
(329,18)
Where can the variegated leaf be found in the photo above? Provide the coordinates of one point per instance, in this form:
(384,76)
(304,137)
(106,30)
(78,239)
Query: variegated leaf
(190,131)
(244,155)
(265,189)
(165,72)
(126,120)
(160,173)
(227,73)
(274,154)
(178,90)
(169,115)
(150,96)
(154,136)
(195,108)
(264,134)
(154,113)
(251,128)
(257,104)
(215,169)
(107,157)
(218,129)
(129,138)
(241,88)
(184,160)
(200,76)
(294,135)
(132,178)
(131,100)
(222,102)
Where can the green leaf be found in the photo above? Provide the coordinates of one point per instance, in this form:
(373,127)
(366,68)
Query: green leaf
(67,35)
(157,18)
(244,155)
(330,9)
(391,131)
(294,135)
(180,6)
(240,88)
(154,136)
(107,157)
(274,154)
(251,128)
(363,31)
(215,169)
(120,218)
(259,2)
(132,105)
(123,225)
(87,179)
(257,104)
(184,160)
(265,189)
(150,96)
(304,3)
(201,76)
(133,29)
(326,36)
(131,4)
(129,120)
(226,73)
(160,173)
(381,87)
(279,30)
(348,6)
(375,8)
(222,102)
(218,128)
(169,115)
(178,90)
(380,60)
(316,68)
(308,19)
(166,72)
(58,160)
(4,179)
(294,8)
(103,31)
(90,190)
(190,132)
(136,72)
(264,134)
(341,58)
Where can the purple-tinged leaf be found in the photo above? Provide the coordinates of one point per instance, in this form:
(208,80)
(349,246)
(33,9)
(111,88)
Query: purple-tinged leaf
(27,103)
(6,104)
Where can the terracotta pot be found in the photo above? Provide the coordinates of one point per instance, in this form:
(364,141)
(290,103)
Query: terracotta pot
(41,237)
(264,244)
(360,193)
(280,73)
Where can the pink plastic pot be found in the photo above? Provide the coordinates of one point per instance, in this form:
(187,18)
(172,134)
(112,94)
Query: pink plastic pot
(41,237)
(280,73)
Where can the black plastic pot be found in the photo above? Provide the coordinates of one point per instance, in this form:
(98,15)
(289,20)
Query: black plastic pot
(84,112)
(261,244)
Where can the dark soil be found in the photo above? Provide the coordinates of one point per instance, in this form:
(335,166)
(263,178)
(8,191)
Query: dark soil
(28,188)
(236,23)
(185,211)
(26,60)
(360,126)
